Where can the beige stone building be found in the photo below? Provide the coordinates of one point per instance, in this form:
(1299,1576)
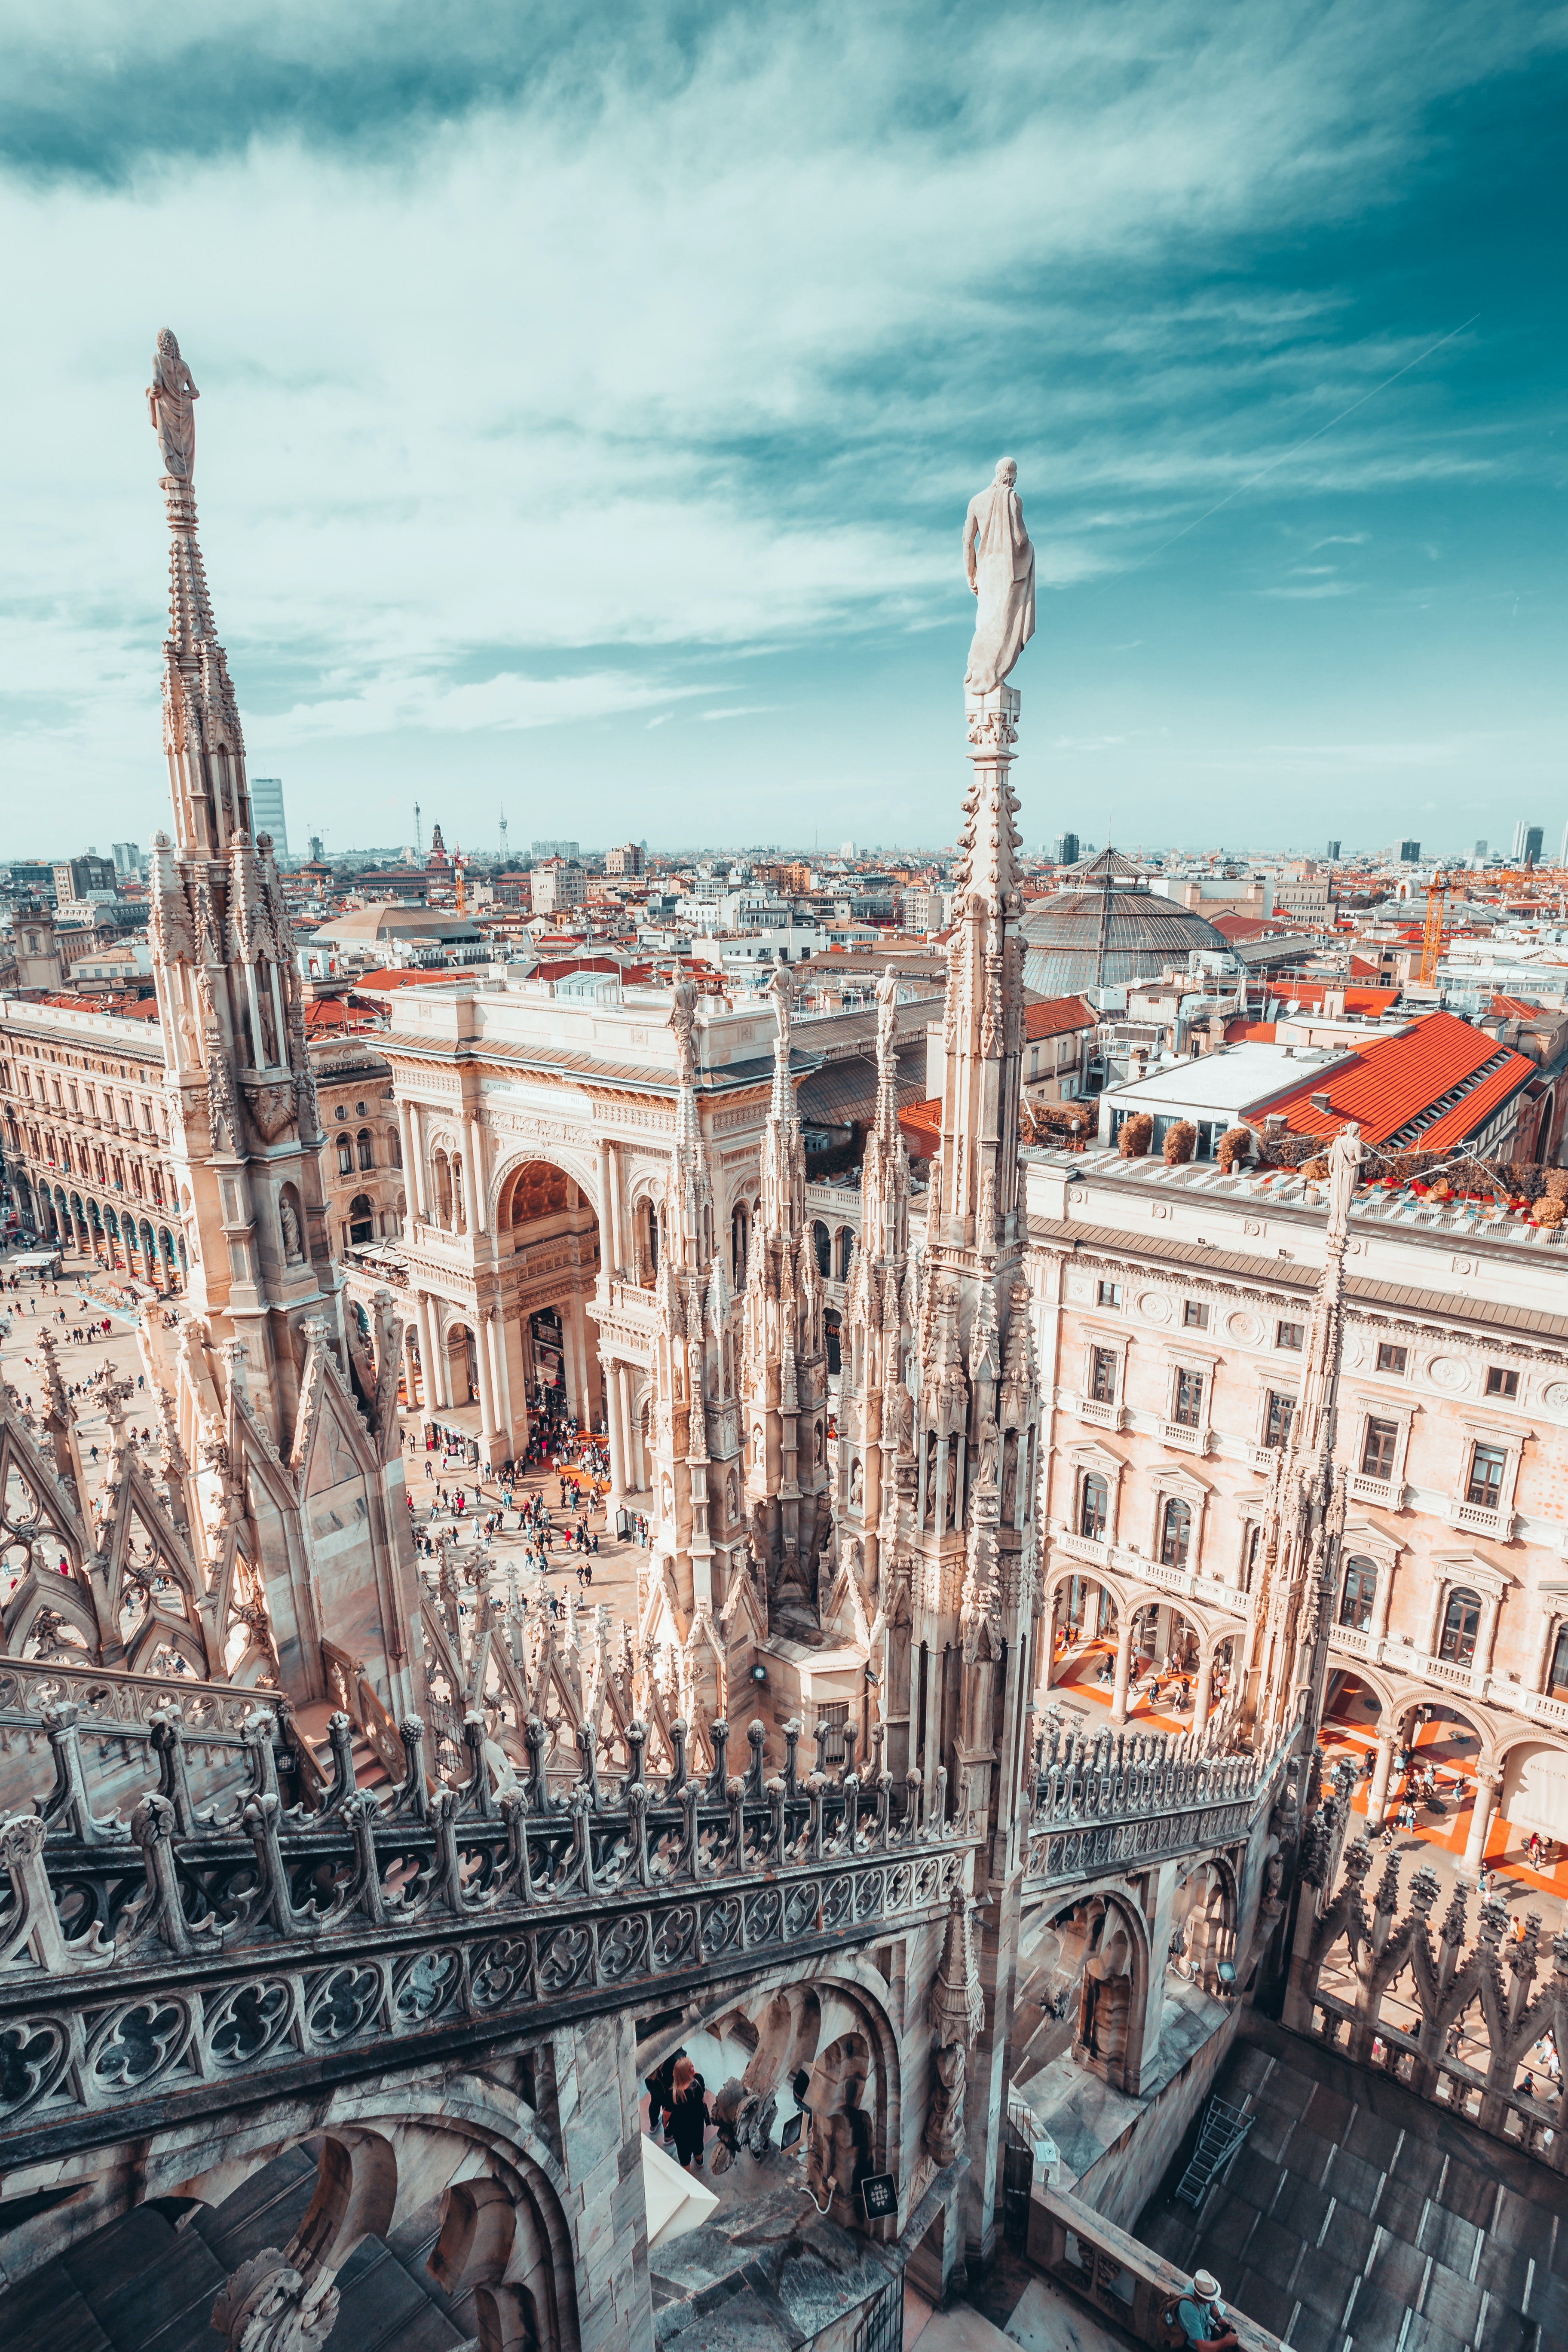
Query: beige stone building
(1172,1305)
(364,1150)
(85,1127)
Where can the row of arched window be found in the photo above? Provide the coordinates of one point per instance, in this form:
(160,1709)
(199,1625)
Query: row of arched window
(359,1150)
(1358,1591)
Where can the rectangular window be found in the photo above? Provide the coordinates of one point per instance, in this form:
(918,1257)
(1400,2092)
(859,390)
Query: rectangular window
(1111,1293)
(1488,1464)
(1390,1358)
(834,1720)
(1377,1449)
(1500,1381)
(1102,1375)
(1189,1400)
(1195,1316)
(1281,1412)
(1291,1335)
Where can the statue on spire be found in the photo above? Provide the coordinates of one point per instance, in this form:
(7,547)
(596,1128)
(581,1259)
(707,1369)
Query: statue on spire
(999,560)
(169,398)
(887,1016)
(781,988)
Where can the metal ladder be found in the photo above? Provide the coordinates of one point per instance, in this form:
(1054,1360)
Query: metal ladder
(1221,2133)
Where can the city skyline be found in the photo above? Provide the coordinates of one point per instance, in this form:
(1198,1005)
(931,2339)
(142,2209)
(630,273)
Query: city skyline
(1258,301)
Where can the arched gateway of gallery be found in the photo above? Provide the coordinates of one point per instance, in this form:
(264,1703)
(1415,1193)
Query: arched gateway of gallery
(537,1122)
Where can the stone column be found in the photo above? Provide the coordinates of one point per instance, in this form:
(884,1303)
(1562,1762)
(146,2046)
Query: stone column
(1201,1690)
(637,1452)
(1123,1667)
(471,1195)
(1488,1785)
(476,1179)
(413,1160)
(1377,1795)
(1381,1603)
(612,1398)
(617,1233)
(1486,1637)
(491,1447)
(1540,1664)
(436,1397)
(412,1347)
(1433,1617)
(576,1322)
(1050,1636)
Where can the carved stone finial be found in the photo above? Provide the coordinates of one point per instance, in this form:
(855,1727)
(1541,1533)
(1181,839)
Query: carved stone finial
(956,2006)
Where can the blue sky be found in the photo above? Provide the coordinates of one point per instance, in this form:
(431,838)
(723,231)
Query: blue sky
(590,405)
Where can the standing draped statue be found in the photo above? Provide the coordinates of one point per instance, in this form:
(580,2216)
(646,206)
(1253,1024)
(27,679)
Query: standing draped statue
(781,988)
(999,559)
(887,1015)
(169,398)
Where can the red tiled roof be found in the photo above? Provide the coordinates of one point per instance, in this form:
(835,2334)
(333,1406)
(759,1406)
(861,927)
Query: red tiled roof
(919,1124)
(1515,1008)
(411,976)
(1394,1083)
(1053,1016)
(327,1013)
(124,1008)
(1312,991)
(635,975)
(1242,927)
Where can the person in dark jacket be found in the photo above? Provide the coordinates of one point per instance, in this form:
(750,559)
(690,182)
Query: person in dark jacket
(688,2116)
(660,2088)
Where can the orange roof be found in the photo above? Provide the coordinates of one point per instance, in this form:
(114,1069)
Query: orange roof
(1053,1016)
(124,1008)
(919,1124)
(1241,927)
(411,976)
(635,975)
(1433,1085)
(1312,991)
(1515,1008)
(327,1013)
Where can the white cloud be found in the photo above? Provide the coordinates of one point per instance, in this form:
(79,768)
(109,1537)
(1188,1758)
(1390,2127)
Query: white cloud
(540,415)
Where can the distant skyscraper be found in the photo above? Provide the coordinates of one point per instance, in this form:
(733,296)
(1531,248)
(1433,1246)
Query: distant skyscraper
(266,812)
(1562,852)
(1480,849)
(1334,849)
(1410,852)
(1531,848)
(1065,851)
(554,849)
(127,860)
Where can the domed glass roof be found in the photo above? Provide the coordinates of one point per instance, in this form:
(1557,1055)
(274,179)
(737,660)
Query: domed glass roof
(1111,931)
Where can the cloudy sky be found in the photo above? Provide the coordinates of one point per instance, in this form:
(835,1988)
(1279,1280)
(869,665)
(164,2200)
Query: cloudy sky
(591,397)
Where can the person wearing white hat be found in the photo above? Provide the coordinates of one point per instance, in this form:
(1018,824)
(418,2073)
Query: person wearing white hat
(1203,2316)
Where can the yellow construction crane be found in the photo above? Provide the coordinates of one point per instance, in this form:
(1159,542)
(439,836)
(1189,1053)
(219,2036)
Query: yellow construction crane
(1432,937)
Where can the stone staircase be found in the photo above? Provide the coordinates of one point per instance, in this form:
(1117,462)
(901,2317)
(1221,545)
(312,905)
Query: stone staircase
(148,2283)
(369,1771)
